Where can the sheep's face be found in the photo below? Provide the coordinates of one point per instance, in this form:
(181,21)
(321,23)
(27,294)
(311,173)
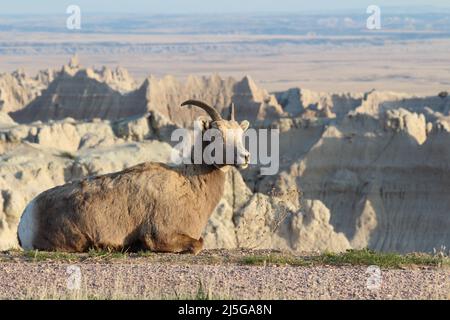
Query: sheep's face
(227,136)
(224,138)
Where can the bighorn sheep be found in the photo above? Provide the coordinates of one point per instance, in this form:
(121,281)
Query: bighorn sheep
(150,206)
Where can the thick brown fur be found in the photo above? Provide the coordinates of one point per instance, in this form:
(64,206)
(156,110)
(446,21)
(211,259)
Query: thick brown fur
(149,206)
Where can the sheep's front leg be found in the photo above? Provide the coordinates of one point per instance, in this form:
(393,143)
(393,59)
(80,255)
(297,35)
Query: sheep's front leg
(187,244)
(178,243)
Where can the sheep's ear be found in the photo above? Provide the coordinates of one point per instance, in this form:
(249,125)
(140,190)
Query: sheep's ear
(244,125)
(204,123)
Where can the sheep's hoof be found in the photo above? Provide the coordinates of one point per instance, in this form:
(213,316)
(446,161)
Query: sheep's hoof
(196,246)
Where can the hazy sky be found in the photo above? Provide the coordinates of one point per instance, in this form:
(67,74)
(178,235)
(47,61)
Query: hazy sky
(203,6)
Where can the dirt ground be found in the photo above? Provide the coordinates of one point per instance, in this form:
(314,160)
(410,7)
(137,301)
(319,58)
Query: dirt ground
(211,275)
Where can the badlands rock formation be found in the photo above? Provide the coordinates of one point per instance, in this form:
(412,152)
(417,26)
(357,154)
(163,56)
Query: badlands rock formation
(85,94)
(356,170)
(18,89)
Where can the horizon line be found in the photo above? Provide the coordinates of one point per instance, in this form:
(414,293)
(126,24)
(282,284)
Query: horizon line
(349,10)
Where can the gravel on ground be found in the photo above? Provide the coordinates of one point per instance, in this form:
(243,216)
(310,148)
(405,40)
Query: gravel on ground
(146,279)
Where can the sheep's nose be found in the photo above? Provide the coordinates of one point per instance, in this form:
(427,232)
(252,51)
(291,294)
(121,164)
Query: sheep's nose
(247,157)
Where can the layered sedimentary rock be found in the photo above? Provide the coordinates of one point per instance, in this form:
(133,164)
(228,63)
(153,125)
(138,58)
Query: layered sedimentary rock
(85,94)
(18,89)
(80,96)
(383,172)
(356,169)
(6,120)
(297,101)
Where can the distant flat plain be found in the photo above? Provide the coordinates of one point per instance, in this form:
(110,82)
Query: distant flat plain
(357,61)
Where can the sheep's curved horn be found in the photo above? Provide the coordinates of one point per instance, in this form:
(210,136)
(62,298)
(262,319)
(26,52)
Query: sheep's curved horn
(232,111)
(215,116)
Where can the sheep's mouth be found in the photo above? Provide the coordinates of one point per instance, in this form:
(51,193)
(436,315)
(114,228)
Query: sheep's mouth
(243,165)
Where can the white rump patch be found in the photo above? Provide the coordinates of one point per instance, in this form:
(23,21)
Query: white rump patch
(28,226)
